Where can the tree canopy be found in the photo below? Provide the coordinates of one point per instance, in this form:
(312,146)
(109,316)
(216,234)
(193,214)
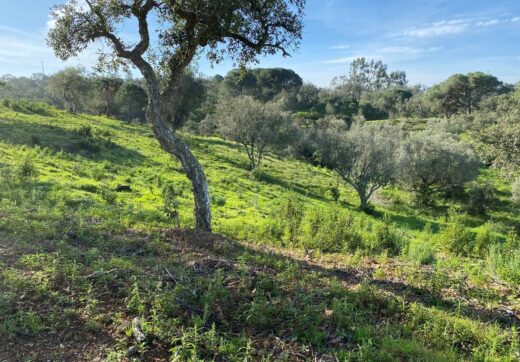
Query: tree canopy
(463,93)
(364,155)
(255,125)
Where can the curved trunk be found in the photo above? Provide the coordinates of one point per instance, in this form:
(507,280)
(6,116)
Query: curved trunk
(173,144)
(176,146)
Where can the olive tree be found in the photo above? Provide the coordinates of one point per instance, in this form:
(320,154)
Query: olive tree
(430,162)
(70,88)
(364,155)
(241,29)
(131,102)
(106,88)
(255,125)
(500,144)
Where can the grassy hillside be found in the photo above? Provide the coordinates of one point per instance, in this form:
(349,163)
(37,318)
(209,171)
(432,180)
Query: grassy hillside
(84,270)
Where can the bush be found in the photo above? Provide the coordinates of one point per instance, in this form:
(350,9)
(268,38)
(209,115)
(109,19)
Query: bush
(286,220)
(85,131)
(334,192)
(109,196)
(422,252)
(484,239)
(35,140)
(516,191)
(171,196)
(499,144)
(26,168)
(480,198)
(218,200)
(457,239)
(387,239)
(329,230)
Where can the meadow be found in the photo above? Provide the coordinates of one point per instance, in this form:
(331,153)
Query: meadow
(294,270)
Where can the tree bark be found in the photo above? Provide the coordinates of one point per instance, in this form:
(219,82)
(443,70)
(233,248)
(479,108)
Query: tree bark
(173,144)
(176,146)
(363,206)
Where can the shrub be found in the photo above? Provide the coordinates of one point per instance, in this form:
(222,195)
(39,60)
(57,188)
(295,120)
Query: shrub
(329,230)
(457,239)
(218,200)
(422,252)
(484,239)
(109,196)
(88,188)
(334,192)
(171,203)
(26,168)
(35,140)
(290,215)
(85,131)
(516,191)
(499,144)
(387,239)
(480,198)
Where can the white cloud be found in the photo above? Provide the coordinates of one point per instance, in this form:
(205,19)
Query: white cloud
(485,24)
(439,28)
(349,59)
(79,5)
(51,22)
(408,50)
(23,52)
(340,47)
(340,60)
(452,27)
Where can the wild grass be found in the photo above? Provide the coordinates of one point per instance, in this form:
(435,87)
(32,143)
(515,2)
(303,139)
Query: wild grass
(300,273)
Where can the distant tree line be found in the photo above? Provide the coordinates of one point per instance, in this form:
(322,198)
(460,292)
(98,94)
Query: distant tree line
(368,92)
(78,92)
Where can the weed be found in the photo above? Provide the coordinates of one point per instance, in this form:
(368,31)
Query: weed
(421,251)
(171,206)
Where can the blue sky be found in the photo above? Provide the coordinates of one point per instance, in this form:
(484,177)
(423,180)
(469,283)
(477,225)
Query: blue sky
(429,39)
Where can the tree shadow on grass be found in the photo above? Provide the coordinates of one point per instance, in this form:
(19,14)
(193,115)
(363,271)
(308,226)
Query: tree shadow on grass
(213,141)
(58,330)
(69,141)
(404,221)
(235,253)
(291,186)
(192,257)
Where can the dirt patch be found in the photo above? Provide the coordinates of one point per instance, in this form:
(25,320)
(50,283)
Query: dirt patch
(195,238)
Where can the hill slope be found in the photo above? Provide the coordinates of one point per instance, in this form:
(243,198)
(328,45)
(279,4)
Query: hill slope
(86,271)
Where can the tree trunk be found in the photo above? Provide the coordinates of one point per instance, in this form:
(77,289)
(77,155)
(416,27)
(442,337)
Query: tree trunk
(363,205)
(173,144)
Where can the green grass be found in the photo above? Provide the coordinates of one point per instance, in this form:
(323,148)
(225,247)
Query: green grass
(297,277)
